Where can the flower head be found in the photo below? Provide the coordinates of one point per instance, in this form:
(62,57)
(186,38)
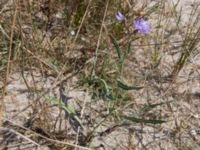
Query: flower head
(142,25)
(119,16)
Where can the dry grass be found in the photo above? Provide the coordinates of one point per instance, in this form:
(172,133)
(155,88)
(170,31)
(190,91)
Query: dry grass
(73,77)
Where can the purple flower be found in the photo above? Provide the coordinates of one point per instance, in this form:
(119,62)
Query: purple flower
(119,16)
(142,25)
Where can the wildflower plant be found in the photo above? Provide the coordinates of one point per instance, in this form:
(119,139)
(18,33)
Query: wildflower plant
(113,88)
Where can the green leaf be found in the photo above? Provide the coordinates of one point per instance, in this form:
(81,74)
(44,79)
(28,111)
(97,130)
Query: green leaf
(118,49)
(69,109)
(139,120)
(126,87)
(129,47)
(149,107)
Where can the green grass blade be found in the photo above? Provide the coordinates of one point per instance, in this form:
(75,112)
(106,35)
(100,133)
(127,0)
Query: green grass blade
(139,120)
(126,87)
(149,107)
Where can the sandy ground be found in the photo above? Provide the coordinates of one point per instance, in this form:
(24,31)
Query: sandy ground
(182,108)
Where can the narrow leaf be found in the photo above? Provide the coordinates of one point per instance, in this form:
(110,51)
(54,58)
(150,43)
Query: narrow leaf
(149,107)
(126,87)
(117,47)
(129,47)
(139,120)
(69,109)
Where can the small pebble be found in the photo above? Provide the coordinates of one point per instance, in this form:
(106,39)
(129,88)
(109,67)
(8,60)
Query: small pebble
(72,32)
(193,132)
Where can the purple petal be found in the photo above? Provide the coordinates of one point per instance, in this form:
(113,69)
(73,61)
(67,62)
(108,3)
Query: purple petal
(119,16)
(142,26)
